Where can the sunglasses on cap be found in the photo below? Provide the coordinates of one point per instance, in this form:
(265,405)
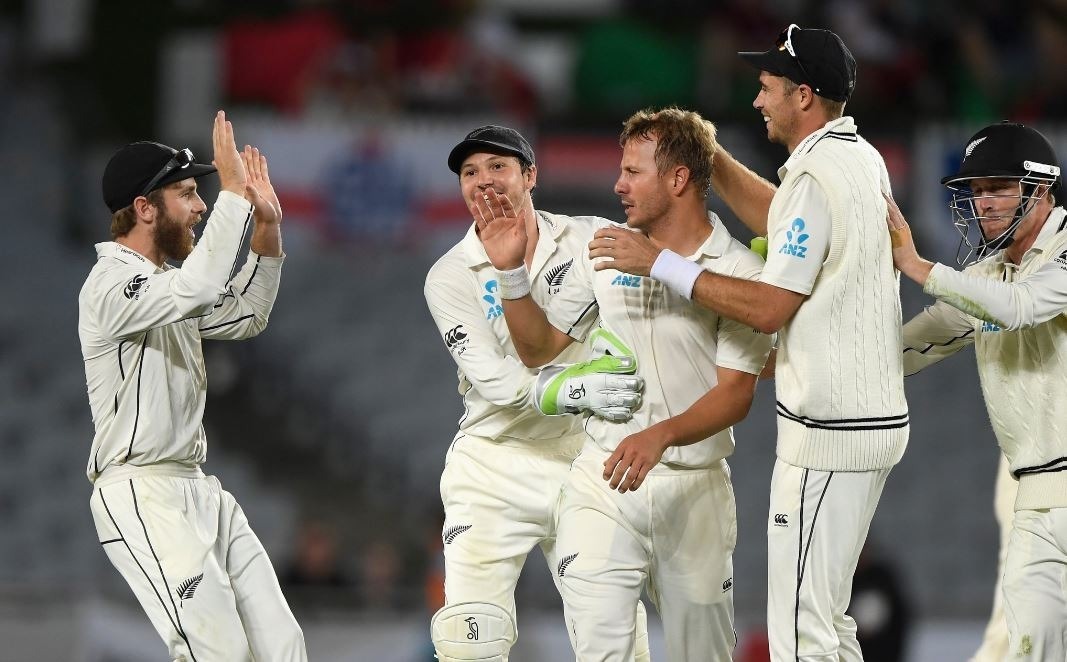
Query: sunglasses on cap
(785,43)
(183,158)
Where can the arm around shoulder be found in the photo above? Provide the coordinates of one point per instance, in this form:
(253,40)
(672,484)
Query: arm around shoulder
(746,194)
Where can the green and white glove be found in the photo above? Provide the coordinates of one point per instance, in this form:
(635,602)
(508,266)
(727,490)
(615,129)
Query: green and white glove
(605,385)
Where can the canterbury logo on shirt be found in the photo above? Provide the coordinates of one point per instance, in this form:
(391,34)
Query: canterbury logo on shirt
(456,337)
(133,288)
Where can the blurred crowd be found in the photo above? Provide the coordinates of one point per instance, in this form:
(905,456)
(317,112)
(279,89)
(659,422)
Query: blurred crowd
(573,63)
(978,61)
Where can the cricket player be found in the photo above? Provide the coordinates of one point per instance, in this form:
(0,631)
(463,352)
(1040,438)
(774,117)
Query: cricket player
(676,537)
(830,291)
(505,469)
(1011,305)
(179,540)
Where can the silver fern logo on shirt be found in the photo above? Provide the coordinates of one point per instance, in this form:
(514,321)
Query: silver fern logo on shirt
(554,276)
(186,589)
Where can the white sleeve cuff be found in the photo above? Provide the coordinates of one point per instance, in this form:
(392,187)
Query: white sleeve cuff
(676,272)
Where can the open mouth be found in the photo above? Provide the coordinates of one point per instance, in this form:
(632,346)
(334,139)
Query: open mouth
(480,192)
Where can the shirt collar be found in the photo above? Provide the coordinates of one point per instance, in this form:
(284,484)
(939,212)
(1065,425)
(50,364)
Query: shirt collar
(843,127)
(124,253)
(718,241)
(549,226)
(1051,228)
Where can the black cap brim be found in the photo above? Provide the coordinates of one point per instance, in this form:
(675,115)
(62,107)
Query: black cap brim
(469,146)
(193,170)
(779,63)
(990,174)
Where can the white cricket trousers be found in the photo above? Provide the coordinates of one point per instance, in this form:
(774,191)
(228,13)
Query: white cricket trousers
(500,502)
(185,548)
(816,528)
(994,646)
(674,536)
(1035,586)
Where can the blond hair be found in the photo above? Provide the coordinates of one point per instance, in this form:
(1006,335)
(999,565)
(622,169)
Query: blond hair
(683,138)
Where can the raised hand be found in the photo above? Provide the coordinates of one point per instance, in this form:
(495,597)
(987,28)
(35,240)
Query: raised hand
(501,229)
(627,251)
(259,191)
(232,174)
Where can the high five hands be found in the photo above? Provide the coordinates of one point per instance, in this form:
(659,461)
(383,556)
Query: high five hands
(260,192)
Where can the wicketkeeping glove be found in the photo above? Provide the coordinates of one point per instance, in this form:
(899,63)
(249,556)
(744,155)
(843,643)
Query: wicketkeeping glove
(605,385)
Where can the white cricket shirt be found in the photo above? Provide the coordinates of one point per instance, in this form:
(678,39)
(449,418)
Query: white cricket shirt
(839,378)
(1014,315)
(678,344)
(140,328)
(464,299)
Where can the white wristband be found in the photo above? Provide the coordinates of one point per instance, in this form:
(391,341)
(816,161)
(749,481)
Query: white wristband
(514,283)
(676,272)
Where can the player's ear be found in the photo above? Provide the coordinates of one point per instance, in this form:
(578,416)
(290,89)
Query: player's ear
(679,178)
(531,177)
(144,209)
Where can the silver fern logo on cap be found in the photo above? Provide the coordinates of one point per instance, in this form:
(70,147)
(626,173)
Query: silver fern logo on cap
(970,148)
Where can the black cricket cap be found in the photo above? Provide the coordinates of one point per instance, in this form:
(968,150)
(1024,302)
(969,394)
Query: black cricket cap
(133,168)
(821,61)
(493,139)
(1008,149)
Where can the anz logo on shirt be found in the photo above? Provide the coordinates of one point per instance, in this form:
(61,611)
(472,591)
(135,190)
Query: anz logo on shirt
(624,280)
(990,327)
(794,240)
(495,309)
